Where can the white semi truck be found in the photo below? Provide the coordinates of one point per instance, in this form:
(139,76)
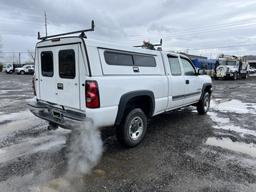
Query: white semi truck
(231,67)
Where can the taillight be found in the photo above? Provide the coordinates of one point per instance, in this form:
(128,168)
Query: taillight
(33,85)
(92,94)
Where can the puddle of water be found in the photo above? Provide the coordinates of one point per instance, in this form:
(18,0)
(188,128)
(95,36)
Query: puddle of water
(227,143)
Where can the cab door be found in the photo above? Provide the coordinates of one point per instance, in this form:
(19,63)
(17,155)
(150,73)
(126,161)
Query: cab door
(176,83)
(193,86)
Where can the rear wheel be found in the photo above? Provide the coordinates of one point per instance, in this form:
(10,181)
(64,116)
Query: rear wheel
(22,72)
(204,104)
(133,128)
(235,76)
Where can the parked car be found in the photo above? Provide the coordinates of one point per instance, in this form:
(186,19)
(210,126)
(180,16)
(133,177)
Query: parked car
(26,69)
(77,78)
(252,70)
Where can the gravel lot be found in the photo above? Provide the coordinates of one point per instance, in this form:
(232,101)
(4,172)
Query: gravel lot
(182,151)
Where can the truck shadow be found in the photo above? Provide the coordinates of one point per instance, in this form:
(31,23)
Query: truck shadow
(179,130)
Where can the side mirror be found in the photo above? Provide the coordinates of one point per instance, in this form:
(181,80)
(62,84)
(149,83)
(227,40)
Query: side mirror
(201,72)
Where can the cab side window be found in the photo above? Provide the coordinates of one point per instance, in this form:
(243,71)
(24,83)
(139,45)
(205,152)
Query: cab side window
(174,65)
(188,67)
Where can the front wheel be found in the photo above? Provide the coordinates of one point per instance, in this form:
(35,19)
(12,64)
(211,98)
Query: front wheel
(133,128)
(204,104)
(235,76)
(22,72)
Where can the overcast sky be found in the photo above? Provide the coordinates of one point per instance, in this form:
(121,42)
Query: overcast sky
(206,27)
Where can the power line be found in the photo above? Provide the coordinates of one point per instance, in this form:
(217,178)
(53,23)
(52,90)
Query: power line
(213,26)
(223,47)
(201,30)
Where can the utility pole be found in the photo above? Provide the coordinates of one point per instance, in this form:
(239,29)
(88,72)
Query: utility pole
(19,57)
(45,23)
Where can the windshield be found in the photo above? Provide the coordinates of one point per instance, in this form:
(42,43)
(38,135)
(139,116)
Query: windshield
(231,63)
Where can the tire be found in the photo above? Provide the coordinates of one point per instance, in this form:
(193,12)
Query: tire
(11,71)
(132,129)
(244,76)
(22,72)
(204,104)
(235,76)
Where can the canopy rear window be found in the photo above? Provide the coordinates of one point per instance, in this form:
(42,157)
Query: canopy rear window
(47,63)
(67,64)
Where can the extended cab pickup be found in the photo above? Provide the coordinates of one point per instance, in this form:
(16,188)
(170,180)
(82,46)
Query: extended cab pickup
(77,78)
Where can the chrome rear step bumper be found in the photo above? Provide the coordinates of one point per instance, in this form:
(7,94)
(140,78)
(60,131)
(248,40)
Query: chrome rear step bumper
(64,118)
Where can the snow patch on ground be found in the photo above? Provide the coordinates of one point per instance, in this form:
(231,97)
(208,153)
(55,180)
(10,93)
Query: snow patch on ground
(217,119)
(31,145)
(2,151)
(225,124)
(13,123)
(31,100)
(233,106)
(7,102)
(227,143)
(15,116)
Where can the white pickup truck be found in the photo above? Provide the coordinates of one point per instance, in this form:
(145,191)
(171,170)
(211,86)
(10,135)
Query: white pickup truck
(77,78)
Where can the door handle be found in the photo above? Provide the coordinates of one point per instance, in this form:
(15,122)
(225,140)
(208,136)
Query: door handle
(60,86)
(187,81)
(136,69)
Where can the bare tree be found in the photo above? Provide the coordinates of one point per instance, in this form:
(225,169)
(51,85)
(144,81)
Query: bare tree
(1,56)
(31,54)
